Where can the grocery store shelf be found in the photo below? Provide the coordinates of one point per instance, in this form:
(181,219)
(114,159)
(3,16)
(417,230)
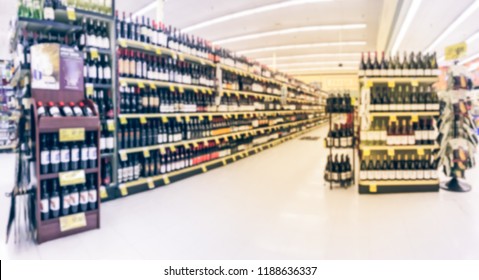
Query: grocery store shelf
(19,74)
(206,114)
(396,148)
(399,80)
(213,138)
(143,82)
(399,182)
(61,14)
(404,114)
(252,75)
(144,184)
(7,147)
(38,25)
(55,175)
(229,92)
(125,43)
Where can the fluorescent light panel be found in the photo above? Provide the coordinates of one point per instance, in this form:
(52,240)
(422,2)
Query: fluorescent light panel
(292,30)
(262,9)
(309,56)
(317,63)
(304,46)
(146,9)
(413,8)
(469,11)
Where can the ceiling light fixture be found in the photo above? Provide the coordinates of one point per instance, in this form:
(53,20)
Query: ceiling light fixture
(309,56)
(413,8)
(290,31)
(304,46)
(262,9)
(316,63)
(146,9)
(469,11)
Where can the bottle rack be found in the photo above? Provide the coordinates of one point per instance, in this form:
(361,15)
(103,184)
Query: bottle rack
(332,147)
(406,185)
(298,127)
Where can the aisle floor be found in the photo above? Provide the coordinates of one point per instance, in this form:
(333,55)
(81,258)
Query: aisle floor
(273,205)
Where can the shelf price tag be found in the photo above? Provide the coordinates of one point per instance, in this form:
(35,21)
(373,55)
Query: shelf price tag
(393,119)
(228,93)
(391,152)
(143,120)
(210,91)
(123,156)
(158,51)
(420,152)
(373,188)
(71,222)
(166,180)
(224,162)
(89,90)
(146,47)
(141,85)
(178,119)
(122,43)
(72,134)
(110,125)
(71,15)
(200,118)
(187,118)
(217,141)
(181,89)
(123,83)
(181,57)
(195,145)
(414,118)
(72,178)
(456,51)
(369,84)
(366,152)
(203,168)
(206,143)
(123,190)
(392,84)
(415,83)
(103,193)
(162,150)
(146,153)
(172,88)
(151,183)
(164,119)
(123,120)
(173,149)
(187,146)
(210,117)
(94,53)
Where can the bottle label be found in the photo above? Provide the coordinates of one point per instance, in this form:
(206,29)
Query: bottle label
(427,72)
(132,67)
(107,72)
(55,203)
(92,196)
(100,73)
(371,174)
(84,154)
(425,135)
(392,175)
(427,174)
(363,175)
(110,143)
(45,157)
(54,111)
(432,135)
(84,197)
(398,72)
(434,174)
(411,140)
(420,174)
(137,171)
(41,111)
(378,175)
(74,199)
(44,206)
(399,174)
(75,155)
(120,175)
(55,157)
(66,202)
(102,143)
(92,153)
(92,72)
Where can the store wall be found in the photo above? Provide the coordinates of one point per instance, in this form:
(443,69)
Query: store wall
(9,9)
(332,83)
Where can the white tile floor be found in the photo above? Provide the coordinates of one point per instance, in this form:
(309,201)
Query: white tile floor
(273,205)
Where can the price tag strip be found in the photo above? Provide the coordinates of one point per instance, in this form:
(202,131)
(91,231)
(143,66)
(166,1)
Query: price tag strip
(71,222)
(72,178)
(72,134)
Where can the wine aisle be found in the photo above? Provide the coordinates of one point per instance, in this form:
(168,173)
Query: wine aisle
(256,209)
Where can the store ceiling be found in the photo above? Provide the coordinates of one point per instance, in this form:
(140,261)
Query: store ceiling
(430,21)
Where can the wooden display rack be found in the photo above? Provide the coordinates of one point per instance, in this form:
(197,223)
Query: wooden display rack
(67,225)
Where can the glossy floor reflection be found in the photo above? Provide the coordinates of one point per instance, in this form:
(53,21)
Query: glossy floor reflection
(273,205)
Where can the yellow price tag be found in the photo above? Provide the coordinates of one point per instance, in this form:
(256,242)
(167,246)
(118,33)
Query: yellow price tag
(392,84)
(203,168)
(195,145)
(180,57)
(103,193)
(72,134)
(89,90)
(123,156)
(187,146)
(187,118)
(369,84)
(195,90)
(146,47)
(353,101)
(456,51)
(123,83)
(71,222)
(217,141)
(71,15)
(420,152)
(143,120)
(415,83)
(172,88)
(166,180)
(158,51)
(234,137)
(210,91)
(151,184)
(164,119)
(228,93)
(146,153)
(414,118)
(366,152)
(203,91)
(110,125)
(72,178)
(200,118)
(391,152)
(206,143)
(94,53)
(123,120)
(393,119)
(210,117)
(122,43)
(234,158)
(373,188)
(152,85)
(162,150)
(123,191)
(181,89)
(173,149)
(178,119)
(141,85)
